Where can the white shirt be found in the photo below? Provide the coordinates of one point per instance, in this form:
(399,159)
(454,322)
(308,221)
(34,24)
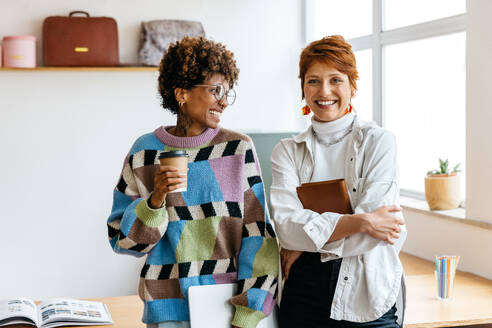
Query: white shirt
(370,278)
(329,144)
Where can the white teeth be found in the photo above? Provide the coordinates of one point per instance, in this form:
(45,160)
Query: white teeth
(215,113)
(325,103)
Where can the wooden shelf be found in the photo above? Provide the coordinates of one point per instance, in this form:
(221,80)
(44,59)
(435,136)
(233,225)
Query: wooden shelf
(85,69)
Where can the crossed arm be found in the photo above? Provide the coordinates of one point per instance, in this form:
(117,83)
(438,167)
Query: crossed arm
(376,220)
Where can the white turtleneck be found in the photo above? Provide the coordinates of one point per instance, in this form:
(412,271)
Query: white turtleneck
(329,145)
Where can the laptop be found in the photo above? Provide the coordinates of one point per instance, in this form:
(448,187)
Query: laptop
(210,307)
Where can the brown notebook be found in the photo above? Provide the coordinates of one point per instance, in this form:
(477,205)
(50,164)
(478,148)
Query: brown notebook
(325,196)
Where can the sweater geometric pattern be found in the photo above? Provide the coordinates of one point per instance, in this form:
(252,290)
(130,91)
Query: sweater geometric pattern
(216,232)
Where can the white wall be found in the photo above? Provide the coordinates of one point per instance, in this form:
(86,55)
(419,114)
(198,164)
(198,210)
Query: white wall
(64,135)
(429,235)
(478,110)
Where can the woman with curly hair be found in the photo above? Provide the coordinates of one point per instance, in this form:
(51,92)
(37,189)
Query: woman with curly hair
(215,232)
(341,270)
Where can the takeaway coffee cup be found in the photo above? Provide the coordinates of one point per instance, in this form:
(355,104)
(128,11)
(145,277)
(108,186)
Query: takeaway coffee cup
(178,159)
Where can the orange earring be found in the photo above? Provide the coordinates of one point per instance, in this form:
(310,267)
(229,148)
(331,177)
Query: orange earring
(306,110)
(348,109)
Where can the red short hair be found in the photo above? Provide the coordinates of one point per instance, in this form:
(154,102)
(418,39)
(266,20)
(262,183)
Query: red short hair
(334,51)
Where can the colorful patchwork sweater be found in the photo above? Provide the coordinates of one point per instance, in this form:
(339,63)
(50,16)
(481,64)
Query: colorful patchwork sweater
(216,232)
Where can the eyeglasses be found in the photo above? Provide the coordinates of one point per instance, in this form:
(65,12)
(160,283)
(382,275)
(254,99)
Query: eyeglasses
(220,91)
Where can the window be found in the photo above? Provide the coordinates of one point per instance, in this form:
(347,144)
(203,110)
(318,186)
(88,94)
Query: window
(328,21)
(425,103)
(362,100)
(411,65)
(399,13)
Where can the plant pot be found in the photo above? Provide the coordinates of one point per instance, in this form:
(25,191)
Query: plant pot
(442,191)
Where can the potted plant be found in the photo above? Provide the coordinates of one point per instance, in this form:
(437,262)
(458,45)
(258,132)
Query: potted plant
(442,187)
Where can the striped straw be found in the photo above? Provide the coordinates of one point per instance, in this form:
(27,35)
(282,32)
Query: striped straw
(445,272)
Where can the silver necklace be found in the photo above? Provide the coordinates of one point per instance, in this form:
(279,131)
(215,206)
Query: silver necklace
(327,143)
(332,141)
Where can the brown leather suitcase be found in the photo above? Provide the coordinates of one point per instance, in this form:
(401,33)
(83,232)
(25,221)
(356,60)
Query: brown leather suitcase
(80,41)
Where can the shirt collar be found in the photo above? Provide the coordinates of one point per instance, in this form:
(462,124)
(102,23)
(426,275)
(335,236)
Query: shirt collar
(307,135)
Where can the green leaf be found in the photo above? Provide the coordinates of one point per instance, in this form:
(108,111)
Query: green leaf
(433,172)
(444,168)
(443,165)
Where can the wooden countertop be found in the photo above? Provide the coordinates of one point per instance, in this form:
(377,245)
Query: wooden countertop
(126,312)
(471,303)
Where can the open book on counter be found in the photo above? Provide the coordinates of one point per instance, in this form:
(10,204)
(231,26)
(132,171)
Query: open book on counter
(53,313)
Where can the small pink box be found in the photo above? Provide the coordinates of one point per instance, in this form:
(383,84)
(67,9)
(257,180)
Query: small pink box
(19,51)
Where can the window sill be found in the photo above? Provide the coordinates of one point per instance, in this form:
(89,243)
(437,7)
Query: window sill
(454,215)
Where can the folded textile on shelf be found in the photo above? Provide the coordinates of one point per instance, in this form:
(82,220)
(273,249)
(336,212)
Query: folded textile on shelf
(157,35)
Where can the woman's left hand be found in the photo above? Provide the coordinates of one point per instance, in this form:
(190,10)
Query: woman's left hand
(288,258)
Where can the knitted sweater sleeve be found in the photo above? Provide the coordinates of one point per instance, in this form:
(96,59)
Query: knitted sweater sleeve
(133,226)
(258,256)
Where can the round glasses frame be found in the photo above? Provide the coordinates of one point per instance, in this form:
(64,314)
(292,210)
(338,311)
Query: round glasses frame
(219,92)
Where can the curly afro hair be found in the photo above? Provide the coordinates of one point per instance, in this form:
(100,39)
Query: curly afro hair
(191,61)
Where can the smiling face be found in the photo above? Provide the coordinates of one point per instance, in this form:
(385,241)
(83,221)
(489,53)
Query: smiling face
(327,91)
(201,108)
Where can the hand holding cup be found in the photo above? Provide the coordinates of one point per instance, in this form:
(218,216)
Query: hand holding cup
(170,177)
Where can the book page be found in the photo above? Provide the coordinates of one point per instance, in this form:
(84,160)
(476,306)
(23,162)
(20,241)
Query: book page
(55,311)
(19,310)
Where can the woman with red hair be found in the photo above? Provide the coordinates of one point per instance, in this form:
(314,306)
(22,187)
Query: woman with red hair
(341,270)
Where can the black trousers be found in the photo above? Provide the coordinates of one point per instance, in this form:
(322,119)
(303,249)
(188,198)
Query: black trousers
(308,294)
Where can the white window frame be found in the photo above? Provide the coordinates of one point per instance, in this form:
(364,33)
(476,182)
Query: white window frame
(378,39)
